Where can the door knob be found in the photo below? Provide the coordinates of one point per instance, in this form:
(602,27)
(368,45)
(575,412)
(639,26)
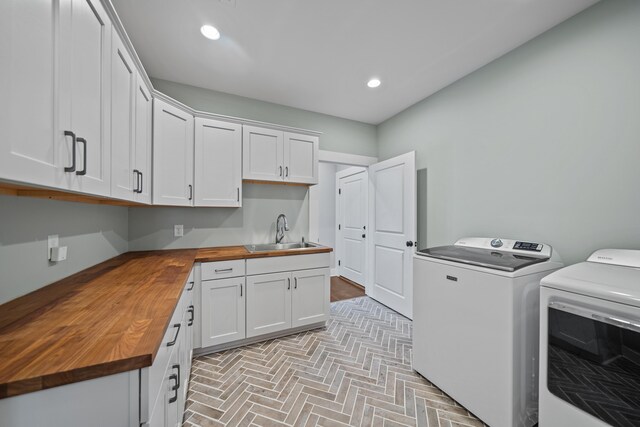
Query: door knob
(410,243)
(364,235)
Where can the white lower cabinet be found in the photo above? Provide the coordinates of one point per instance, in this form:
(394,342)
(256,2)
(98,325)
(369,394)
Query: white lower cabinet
(268,303)
(223,311)
(310,297)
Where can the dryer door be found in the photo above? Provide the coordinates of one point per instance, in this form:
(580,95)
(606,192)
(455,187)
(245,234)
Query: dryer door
(593,361)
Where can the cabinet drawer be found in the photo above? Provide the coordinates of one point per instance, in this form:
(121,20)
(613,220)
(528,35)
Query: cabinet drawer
(222,269)
(287,263)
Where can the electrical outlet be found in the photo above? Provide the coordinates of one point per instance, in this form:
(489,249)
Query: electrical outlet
(178,230)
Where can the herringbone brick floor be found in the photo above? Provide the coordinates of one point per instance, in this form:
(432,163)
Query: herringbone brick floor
(355,372)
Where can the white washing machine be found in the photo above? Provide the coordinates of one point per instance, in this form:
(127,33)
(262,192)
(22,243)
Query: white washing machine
(475,325)
(590,342)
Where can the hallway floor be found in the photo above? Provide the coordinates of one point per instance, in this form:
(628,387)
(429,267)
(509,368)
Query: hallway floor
(342,289)
(356,371)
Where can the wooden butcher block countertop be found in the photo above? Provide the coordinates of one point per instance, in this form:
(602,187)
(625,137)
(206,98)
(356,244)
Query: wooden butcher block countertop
(104,320)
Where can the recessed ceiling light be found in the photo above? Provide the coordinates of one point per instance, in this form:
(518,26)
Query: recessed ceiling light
(373,83)
(210,32)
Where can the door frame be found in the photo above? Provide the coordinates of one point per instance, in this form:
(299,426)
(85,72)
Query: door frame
(335,157)
(338,250)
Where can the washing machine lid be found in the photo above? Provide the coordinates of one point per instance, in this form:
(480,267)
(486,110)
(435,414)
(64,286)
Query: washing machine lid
(604,277)
(488,258)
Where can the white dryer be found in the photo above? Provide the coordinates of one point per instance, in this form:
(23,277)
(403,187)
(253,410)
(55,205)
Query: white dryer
(475,326)
(590,342)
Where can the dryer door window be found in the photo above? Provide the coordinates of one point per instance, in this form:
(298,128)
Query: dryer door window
(594,362)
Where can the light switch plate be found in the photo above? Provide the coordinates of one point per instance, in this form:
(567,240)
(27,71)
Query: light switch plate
(178,230)
(52,242)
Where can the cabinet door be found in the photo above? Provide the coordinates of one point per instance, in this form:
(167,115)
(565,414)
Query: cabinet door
(223,311)
(123,89)
(268,303)
(301,158)
(262,151)
(32,148)
(310,297)
(142,151)
(85,56)
(218,163)
(172,155)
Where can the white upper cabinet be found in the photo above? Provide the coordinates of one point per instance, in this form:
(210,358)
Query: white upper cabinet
(218,163)
(143,142)
(301,158)
(123,90)
(172,155)
(31,149)
(262,154)
(85,54)
(271,155)
(55,85)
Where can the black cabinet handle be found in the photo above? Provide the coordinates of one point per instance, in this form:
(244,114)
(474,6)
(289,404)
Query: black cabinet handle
(191,310)
(71,168)
(288,283)
(136,173)
(238,195)
(280,170)
(240,290)
(170,343)
(174,377)
(295,281)
(192,285)
(286,171)
(141,182)
(190,192)
(84,156)
(177,366)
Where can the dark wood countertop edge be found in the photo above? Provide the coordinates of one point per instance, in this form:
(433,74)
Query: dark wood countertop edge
(29,385)
(201,256)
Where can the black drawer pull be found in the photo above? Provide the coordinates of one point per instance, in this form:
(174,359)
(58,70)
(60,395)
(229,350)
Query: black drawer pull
(170,343)
(452,278)
(224,270)
(192,285)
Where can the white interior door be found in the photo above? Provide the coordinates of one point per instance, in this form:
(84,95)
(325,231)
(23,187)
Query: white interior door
(392,234)
(352,221)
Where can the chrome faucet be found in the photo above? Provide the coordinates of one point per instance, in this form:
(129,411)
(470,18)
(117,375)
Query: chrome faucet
(281,227)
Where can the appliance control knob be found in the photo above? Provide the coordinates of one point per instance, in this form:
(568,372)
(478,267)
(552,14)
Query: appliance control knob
(496,243)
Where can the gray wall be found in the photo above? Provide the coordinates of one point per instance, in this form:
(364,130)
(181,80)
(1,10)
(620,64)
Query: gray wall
(345,136)
(542,144)
(152,228)
(93,233)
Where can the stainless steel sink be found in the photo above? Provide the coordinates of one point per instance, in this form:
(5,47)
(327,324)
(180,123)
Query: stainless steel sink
(266,247)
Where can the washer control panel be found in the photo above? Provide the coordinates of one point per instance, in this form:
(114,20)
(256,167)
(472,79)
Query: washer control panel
(527,246)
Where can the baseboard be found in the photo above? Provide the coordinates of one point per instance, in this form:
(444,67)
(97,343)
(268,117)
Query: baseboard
(351,282)
(253,340)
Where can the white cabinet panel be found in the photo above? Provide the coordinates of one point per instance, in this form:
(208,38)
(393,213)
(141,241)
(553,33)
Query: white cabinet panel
(268,303)
(85,56)
(172,155)
(262,154)
(310,297)
(223,311)
(32,148)
(223,269)
(218,163)
(143,141)
(123,88)
(301,158)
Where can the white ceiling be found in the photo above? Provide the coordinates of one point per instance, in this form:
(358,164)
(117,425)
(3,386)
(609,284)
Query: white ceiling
(318,55)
